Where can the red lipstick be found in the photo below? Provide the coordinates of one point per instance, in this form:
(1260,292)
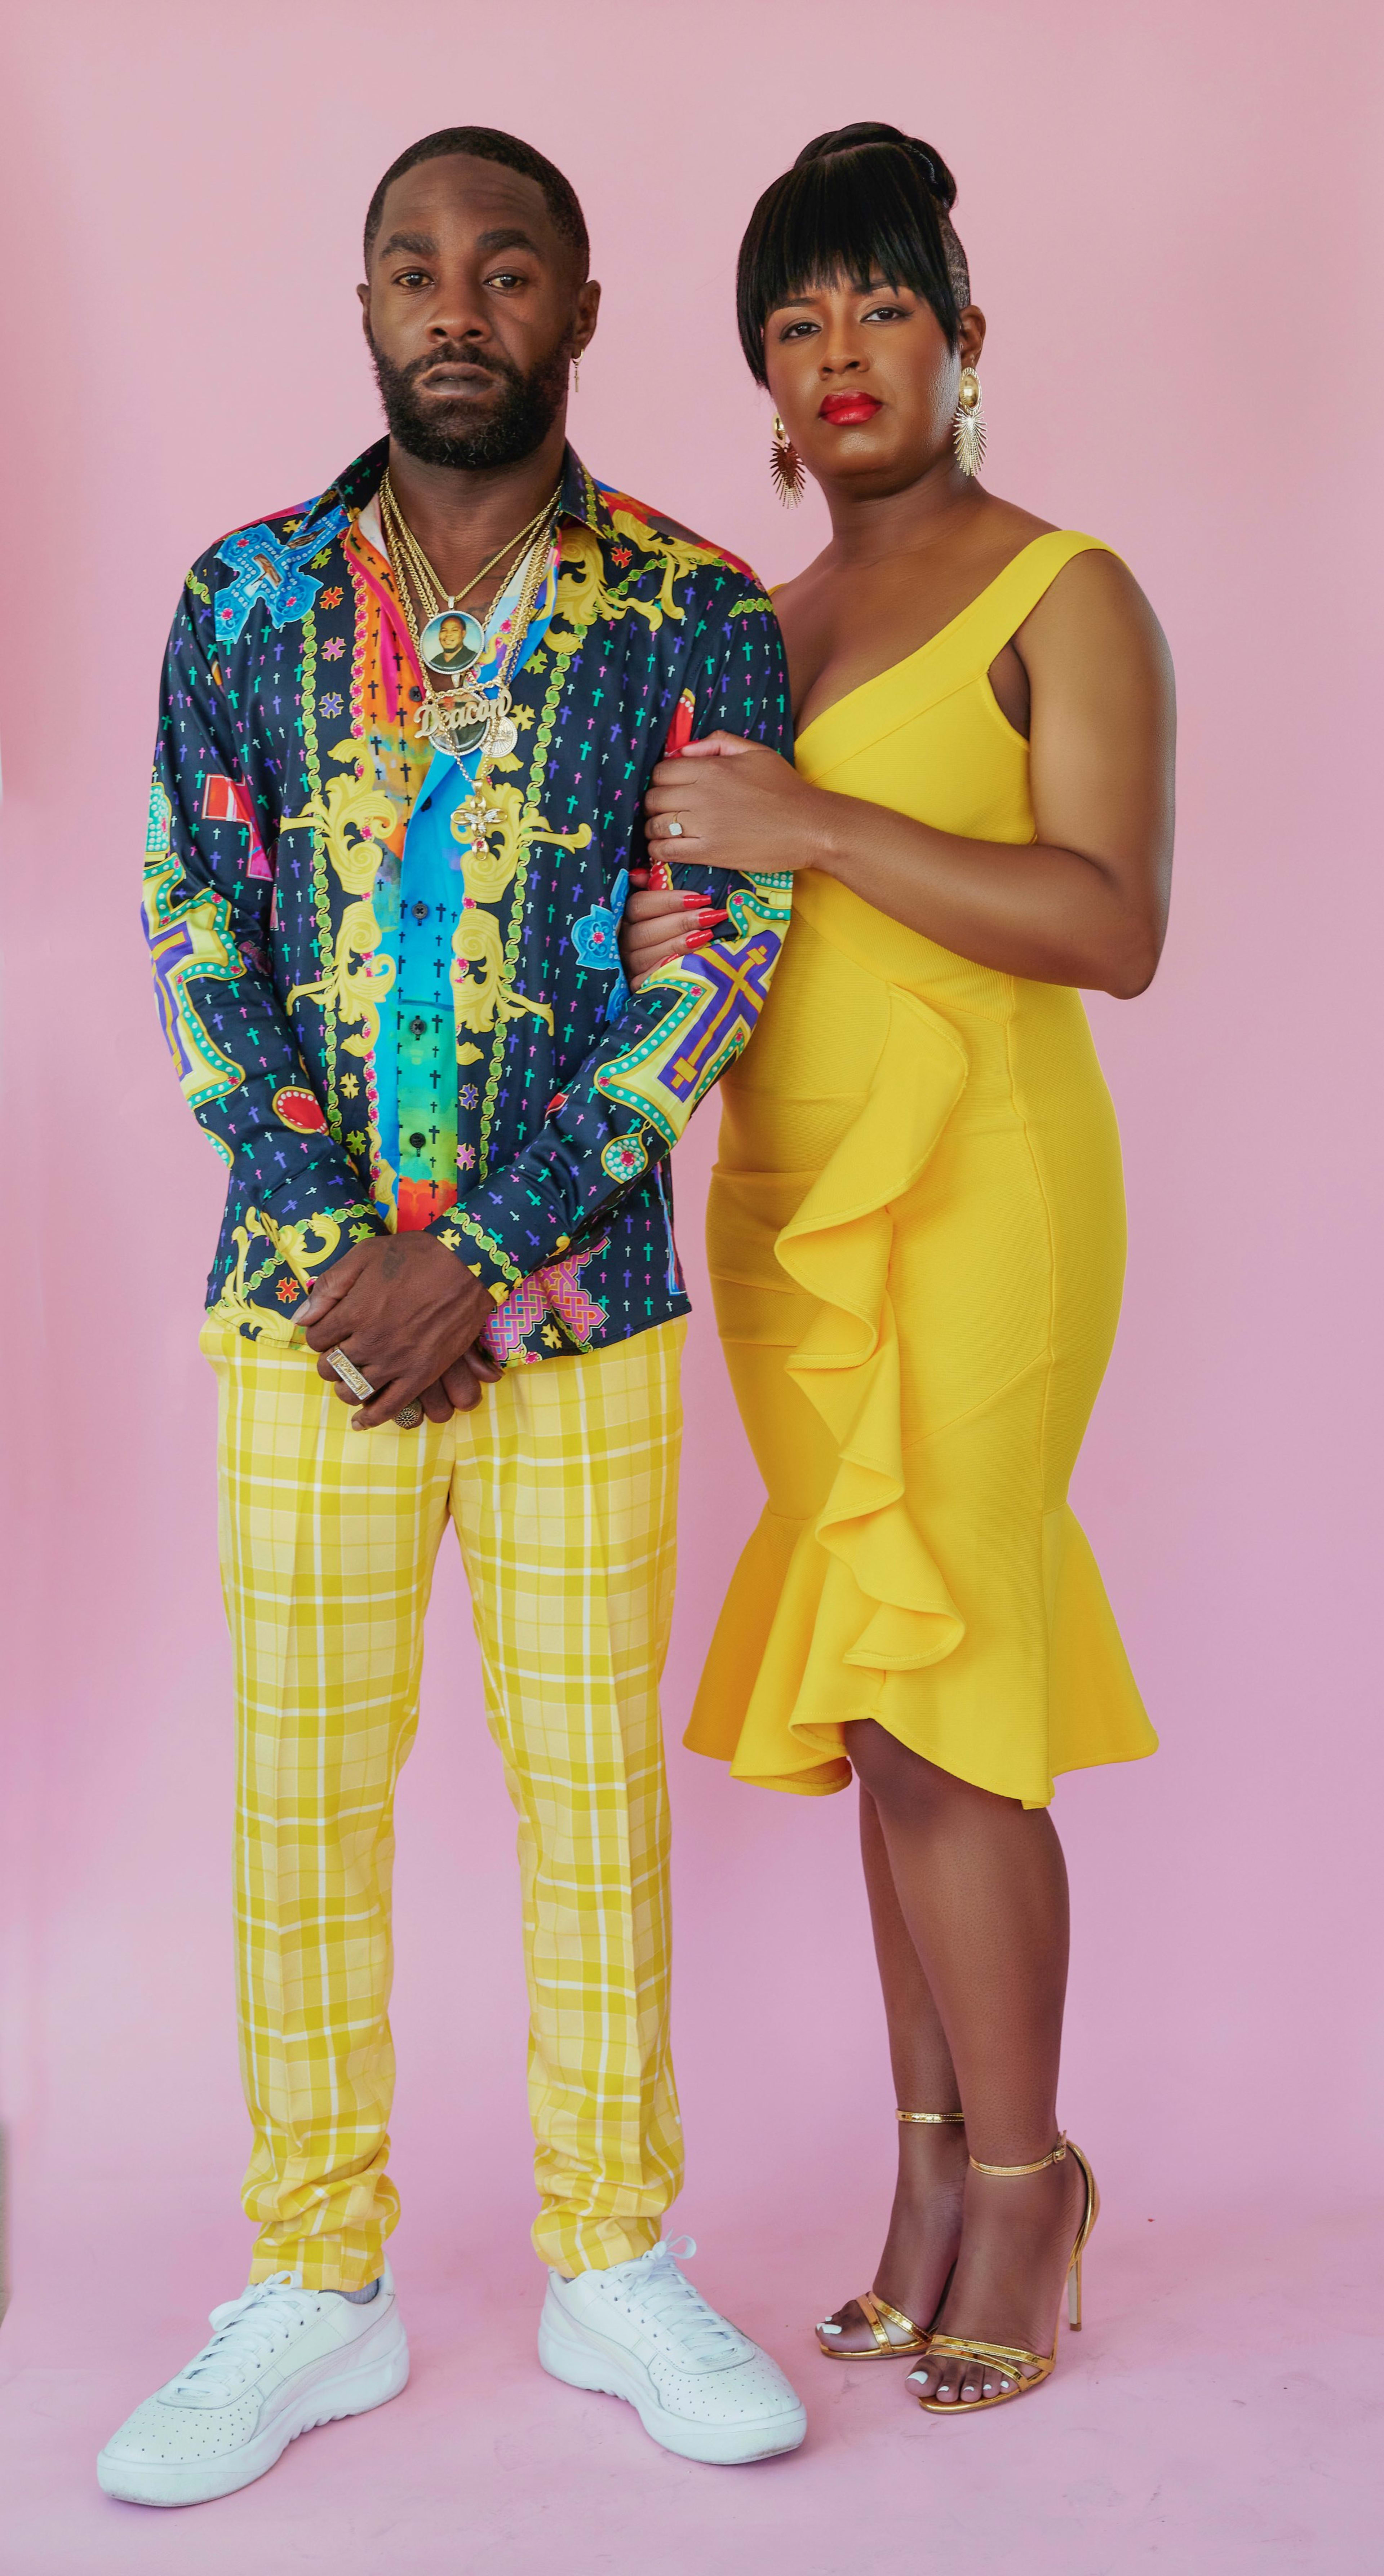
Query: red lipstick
(848,410)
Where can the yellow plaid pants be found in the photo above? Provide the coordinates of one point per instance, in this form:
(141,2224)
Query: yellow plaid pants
(562,1486)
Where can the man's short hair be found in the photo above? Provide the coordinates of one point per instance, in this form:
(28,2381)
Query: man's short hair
(487,143)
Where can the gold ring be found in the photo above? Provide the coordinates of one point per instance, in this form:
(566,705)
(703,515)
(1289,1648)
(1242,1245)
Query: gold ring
(350,1376)
(409,1416)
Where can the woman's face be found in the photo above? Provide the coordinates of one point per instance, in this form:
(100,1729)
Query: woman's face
(865,383)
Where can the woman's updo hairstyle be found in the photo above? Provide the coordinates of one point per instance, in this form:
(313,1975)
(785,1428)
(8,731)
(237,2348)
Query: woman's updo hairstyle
(863,202)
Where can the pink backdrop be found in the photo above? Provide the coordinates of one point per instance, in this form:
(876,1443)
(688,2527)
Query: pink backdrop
(1171,213)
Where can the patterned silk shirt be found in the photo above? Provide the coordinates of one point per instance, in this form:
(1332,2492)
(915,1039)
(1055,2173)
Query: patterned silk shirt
(285,878)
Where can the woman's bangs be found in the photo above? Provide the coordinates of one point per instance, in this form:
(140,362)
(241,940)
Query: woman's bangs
(842,221)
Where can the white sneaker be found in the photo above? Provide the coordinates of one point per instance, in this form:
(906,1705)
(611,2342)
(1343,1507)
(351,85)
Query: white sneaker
(281,2360)
(641,2332)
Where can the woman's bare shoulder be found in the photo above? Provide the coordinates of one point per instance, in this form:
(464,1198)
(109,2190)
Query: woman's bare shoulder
(1093,641)
(1094,603)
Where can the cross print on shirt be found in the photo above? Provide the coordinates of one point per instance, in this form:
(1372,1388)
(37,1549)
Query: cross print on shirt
(739,980)
(270,568)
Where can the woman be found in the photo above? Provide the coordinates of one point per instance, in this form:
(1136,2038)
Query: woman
(917,1227)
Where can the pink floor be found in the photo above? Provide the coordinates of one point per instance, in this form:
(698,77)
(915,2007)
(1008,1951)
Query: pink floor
(1220,2413)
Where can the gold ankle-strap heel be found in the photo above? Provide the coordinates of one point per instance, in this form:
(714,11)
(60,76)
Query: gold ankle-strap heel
(896,2337)
(1026,2370)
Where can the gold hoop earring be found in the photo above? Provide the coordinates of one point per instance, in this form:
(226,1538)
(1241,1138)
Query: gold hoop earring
(968,427)
(786,470)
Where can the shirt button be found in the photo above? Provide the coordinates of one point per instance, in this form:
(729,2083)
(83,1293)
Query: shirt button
(420,912)
(418,1140)
(418,1028)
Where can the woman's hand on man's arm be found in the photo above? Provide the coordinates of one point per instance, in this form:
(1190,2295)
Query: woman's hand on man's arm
(724,803)
(735,806)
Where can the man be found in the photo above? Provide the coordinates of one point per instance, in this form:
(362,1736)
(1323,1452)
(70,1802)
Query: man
(391,982)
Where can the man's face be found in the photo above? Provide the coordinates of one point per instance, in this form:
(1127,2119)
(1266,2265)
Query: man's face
(472,310)
(450,635)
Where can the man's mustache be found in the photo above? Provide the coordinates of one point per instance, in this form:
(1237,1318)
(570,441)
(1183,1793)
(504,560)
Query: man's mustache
(500,368)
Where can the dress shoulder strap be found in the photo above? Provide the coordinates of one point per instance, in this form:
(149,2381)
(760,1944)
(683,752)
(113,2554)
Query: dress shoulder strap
(986,626)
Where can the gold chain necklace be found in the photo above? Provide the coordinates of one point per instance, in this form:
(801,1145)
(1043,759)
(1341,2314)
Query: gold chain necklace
(469,715)
(426,579)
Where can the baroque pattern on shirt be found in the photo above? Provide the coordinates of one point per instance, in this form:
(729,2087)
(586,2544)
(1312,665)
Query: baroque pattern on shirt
(491,852)
(353,815)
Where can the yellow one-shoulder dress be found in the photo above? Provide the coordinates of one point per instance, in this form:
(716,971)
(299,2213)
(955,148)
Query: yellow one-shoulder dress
(917,1240)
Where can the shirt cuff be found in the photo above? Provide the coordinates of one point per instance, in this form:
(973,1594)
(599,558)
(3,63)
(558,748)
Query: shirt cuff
(289,1246)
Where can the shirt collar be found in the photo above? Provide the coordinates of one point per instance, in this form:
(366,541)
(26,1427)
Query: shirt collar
(582,497)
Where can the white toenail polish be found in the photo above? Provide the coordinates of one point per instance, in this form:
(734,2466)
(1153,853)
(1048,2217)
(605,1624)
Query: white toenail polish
(827,2328)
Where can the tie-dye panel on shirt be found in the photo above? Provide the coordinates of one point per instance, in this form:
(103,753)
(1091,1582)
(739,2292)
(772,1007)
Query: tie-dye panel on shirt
(426,1109)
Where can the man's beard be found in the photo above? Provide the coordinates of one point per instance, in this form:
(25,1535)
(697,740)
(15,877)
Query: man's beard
(518,424)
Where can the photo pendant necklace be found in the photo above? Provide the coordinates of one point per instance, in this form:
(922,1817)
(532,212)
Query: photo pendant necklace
(461,713)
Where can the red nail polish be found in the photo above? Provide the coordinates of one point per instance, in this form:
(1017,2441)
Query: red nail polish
(693,902)
(705,919)
(699,939)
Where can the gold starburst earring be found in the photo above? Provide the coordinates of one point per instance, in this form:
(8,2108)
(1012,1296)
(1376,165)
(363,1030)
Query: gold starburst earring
(968,427)
(786,469)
